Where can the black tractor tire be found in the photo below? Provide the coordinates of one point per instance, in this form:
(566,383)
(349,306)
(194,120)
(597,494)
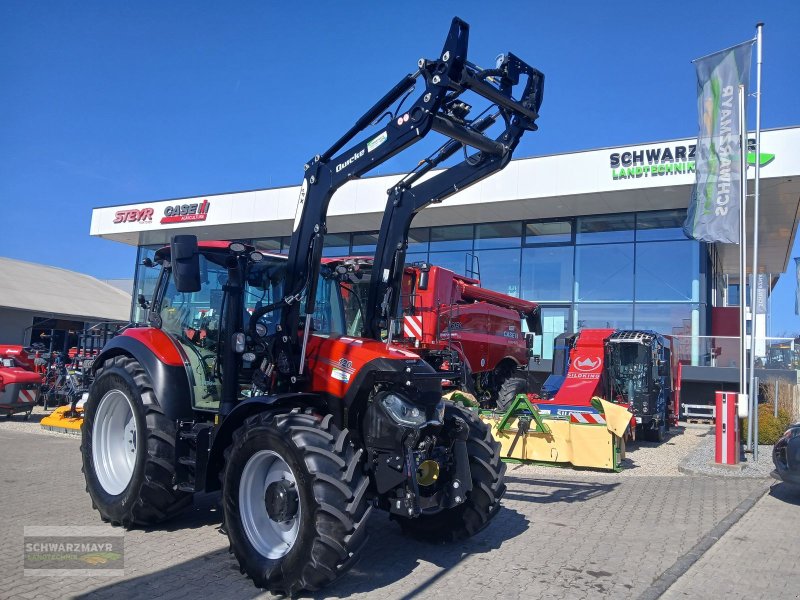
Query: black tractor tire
(511,387)
(149,497)
(656,434)
(331,490)
(482,503)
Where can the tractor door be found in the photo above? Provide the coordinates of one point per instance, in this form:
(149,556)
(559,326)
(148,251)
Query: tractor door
(194,320)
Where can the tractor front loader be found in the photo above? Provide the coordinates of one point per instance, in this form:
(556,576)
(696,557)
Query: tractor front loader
(246,379)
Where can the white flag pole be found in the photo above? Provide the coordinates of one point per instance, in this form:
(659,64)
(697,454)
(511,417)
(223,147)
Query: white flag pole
(743,265)
(753,286)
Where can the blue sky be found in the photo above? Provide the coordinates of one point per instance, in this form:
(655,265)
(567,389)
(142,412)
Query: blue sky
(108,103)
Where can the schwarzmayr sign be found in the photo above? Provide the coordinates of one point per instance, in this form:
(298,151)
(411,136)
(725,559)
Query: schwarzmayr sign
(656,161)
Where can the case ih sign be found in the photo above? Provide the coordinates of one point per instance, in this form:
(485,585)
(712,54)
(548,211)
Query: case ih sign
(180,213)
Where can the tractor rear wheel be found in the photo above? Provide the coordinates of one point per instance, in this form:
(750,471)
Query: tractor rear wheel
(482,503)
(128,448)
(294,500)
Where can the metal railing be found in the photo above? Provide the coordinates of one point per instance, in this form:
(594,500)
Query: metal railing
(723,351)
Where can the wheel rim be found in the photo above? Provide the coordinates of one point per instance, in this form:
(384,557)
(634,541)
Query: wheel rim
(272,539)
(114,442)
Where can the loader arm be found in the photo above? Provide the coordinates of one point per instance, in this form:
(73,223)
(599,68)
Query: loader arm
(436,108)
(410,195)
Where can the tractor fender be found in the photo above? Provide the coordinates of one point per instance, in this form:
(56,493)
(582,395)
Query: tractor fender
(223,434)
(170,381)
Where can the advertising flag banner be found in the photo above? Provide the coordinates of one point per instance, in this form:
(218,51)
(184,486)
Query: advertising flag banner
(713,213)
(797,292)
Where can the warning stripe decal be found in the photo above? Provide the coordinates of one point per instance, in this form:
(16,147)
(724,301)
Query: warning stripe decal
(587,418)
(28,396)
(412,327)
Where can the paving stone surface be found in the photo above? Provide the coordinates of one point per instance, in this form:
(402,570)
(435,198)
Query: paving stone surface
(757,556)
(561,534)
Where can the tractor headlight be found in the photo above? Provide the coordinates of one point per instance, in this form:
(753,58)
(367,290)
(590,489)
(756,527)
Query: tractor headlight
(402,411)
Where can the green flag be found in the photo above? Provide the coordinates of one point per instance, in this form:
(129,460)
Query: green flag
(713,213)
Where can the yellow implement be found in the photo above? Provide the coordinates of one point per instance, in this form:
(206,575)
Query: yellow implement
(526,435)
(64,420)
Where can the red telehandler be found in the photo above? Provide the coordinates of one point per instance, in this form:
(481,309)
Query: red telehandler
(234,386)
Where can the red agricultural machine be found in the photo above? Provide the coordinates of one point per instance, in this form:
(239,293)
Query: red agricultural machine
(472,335)
(19,382)
(633,368)
(247,379)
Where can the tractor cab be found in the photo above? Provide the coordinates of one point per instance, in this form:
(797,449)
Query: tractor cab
(639,373)
(196,321)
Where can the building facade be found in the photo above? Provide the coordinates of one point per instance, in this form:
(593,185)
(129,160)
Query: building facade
(595,237)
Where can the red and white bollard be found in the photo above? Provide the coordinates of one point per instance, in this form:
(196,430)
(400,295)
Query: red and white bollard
(727,429)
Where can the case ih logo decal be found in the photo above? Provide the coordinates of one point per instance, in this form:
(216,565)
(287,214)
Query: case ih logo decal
(183,213)
(140,215)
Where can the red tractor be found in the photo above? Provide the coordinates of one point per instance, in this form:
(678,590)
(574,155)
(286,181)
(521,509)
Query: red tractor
(247,379)
(471,334)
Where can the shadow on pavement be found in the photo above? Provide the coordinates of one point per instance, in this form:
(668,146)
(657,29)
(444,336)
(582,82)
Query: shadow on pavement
(548,491)
(205,510)
(388,557)
(786,493)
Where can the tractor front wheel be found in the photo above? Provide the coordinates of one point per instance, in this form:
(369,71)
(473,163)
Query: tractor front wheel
(482,503)
(294,500)
(128,448)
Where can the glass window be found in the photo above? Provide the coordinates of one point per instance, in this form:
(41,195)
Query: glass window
(548,232)
(547,273)
(555,321)
(453,237)
(412,257)
(604,272)
(268,244)
(668,319)
(328,318)
(499,270)
(602,229)
(336,244)
(668,271)
(146,279)
(497,235)
(455,261)
(660,225)
(365,243)
(418,239)
(611,316)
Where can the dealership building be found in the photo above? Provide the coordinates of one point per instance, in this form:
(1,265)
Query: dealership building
(594,236)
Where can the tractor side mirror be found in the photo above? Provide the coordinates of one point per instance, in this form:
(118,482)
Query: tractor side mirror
(530,338)
(185,261)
